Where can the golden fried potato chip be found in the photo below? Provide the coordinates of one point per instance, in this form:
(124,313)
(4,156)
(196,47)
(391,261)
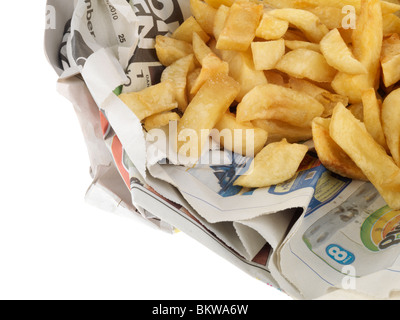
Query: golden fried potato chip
(327,99)
(276,163)
(372,116)
(304,20)
(212,66)
(271,28)
(296,44)
(204,15)
(367,46)
(203,113)
(338,55)
(220,20)
(267,54)
(242,69)
(186,30)
(278,130)
(177,73)
(152,100)
(218,3)
(331,155)
(391,123)
(352,136)
(272,102)
(160,120)
(170,50)
(390,60)
(303,63)
(240,26)
(242,138)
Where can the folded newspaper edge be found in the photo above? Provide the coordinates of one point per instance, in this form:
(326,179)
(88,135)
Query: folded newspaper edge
(316,236)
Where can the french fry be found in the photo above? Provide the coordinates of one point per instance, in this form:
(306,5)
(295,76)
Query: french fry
(275,164)
(304,20)
(200,48)
(327,99)
(390,60)
(352,136)
(160,120)
(242,69)
(271,28)
(372,116)
(220,19)
(272,102)
(367,45)
(331,155)
(303,63)
(212,66)
(240,26)
(186,30)
(218,3)
(267,54)
(338,55)
(177,73)
(278,130)
(170,50)
(242,138)
(152,100)
(391,123)
(296,44)
(203,113)
(204,14)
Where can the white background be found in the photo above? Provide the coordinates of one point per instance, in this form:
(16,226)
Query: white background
(52,244)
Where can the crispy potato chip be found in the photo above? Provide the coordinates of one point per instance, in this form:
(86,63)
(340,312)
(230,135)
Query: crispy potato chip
(267,54)
(240,26)
(242,69)
(367,45)
(338,55)
(296,44)
(303,63)
(390,60)
(186,30)
(191,81)
(391,123)
(200,48)
(204,14)
(160,120)
(212,66)
(327,99)
(272,102)
(242,138)
(203,113)
(177,73)
(276,163)
(332,17)
(331,155)
(220,20)
(278,130)
(306,21)
(152,100)
(391,24)
(372,116)
(271,28)
(170,50)
(218,3)
(352,136)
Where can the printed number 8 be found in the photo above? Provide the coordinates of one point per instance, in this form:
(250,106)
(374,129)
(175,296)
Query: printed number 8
(338,254)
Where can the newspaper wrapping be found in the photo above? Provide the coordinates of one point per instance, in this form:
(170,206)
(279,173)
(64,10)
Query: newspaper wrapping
(316,236)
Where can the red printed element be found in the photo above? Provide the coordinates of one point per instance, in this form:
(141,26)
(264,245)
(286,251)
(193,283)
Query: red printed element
(118,154)
(105,125)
